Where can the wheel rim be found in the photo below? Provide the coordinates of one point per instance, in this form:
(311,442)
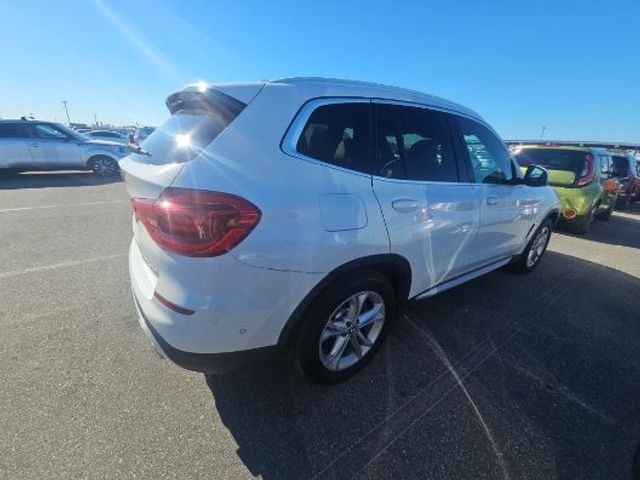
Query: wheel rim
(538,246)
(104,166)
(352,330)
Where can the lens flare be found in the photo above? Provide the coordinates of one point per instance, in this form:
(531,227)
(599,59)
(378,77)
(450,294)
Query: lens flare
(183,140)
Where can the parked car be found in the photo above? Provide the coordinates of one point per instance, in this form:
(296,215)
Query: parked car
(36,145)
(626,172)
(581,176)
(108,135)
(300,215)
(141,134)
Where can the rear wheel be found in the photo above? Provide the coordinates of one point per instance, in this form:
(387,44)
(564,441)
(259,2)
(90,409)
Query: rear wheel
(344,327)
(606,215)
(103,166)
(530,257)
(582,226)
(625,203)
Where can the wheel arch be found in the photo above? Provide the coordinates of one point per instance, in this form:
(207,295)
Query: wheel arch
(395,267)
(554,216)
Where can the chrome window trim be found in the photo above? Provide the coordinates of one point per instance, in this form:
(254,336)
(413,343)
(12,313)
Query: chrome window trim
(289,142)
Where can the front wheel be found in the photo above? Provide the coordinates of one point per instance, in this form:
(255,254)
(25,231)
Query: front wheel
(533,252)
(344,327)
(103,166)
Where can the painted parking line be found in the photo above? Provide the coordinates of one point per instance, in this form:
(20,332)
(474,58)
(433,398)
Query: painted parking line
(43,207)
(55,266)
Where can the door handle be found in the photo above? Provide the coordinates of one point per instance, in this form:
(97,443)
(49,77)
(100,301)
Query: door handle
(34,145)
(492,200)
(405,205)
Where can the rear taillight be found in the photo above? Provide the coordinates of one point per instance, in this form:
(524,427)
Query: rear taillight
(588,173)
(197,223)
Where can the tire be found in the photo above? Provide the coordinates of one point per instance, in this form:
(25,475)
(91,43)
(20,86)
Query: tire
(582,227)
(535,249)
(606,215)
(103,166)
(624,205)
(335,358)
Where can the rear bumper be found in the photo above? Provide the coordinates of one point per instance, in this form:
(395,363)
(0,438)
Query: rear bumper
(213,363)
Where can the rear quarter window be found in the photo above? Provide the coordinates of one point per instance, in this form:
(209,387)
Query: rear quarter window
(338,134)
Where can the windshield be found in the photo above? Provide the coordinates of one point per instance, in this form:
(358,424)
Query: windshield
(73,133)
(552,158)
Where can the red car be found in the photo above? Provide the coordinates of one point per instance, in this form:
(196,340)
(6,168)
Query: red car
(625,169)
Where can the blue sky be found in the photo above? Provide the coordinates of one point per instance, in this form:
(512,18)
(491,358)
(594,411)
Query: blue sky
(571,66)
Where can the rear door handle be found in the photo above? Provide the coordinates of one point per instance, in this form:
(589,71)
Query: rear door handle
(34,145)
(492,200)
(405,205)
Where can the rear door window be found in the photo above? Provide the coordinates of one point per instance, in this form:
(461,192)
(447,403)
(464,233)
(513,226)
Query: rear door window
(338,134)
(414,143)
(49,132)
(12,130)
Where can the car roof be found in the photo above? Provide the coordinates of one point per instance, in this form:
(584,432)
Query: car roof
(20,120)
(553,147)
(315,87)
(319,86)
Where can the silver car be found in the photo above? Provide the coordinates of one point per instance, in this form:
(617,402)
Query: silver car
(36,145)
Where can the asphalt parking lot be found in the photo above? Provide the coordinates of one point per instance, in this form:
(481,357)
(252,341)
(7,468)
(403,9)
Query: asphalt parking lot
(508,376)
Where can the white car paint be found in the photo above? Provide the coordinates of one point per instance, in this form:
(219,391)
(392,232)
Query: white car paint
(316,217)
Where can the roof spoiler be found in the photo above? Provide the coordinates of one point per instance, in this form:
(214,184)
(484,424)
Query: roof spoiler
(208,100)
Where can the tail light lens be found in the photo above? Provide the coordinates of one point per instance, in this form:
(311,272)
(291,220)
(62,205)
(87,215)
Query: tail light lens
(197,223)
(588,173)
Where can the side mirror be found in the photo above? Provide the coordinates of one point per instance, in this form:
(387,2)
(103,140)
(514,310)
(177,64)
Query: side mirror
(536,176)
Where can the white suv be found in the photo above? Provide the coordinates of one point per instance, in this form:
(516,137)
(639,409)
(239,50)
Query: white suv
(299,215)
(35,145)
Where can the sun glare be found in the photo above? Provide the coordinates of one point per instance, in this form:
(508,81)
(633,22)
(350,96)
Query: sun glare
(183,140)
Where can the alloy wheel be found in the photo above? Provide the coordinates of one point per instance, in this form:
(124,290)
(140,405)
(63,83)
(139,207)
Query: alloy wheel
(352,330)
(104,167)
(538,246)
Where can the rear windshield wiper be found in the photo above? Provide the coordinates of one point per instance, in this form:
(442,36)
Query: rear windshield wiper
(140,151)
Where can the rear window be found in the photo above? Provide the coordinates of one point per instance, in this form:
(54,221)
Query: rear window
(196,121)
(620,166)
(553,159)
(181,138)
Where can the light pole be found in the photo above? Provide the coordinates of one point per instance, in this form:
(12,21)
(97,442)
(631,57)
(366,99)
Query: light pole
(542,132)
(66,110)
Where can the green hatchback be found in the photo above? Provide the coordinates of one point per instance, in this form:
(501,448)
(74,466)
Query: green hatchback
(582,178)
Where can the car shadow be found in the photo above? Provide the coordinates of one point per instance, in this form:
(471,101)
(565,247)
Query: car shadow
(15,181)
(621,229)
(504,377)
